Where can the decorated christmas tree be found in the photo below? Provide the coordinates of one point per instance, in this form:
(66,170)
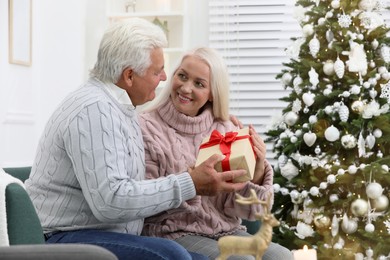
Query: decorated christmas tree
(332,142)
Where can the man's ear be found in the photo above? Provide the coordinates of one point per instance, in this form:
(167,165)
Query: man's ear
(128,75)
(126,79)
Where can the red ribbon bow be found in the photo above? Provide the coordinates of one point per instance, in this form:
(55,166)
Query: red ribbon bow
(225,144)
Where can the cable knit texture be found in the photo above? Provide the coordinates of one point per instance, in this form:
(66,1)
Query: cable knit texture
(89,171)
(171,145)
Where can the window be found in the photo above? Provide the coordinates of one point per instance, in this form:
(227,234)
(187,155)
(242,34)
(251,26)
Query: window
(252,36)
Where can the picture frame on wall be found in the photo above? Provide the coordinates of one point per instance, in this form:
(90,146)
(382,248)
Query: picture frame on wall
(20,32)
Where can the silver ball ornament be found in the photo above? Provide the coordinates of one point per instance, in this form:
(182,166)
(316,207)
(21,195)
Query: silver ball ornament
(359,207)
(380,204)
(374,190)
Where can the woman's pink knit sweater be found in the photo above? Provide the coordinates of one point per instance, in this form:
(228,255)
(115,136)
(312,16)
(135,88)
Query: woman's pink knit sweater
(172,141)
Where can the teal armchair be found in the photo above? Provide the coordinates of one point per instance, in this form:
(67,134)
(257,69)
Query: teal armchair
(25,233)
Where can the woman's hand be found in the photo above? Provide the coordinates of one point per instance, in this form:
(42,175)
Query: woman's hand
(236,121)
(260,150)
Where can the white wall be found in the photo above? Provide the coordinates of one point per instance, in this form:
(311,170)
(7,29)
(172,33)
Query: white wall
(66,35)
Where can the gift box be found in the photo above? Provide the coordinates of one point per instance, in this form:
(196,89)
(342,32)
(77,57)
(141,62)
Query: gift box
(236,146)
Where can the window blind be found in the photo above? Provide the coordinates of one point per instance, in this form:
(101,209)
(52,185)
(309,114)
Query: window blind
(252,36)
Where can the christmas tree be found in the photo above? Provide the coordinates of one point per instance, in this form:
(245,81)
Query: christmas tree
(332,142)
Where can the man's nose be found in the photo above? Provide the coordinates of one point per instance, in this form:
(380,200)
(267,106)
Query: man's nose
(163,76)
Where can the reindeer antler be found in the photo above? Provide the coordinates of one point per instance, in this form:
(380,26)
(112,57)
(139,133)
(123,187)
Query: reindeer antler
(252,199)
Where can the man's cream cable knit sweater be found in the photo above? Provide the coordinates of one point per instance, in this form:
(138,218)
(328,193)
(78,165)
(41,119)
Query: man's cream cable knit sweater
(89,168)
(171,141)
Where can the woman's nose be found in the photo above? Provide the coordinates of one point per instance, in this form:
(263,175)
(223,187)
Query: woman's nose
(186,87)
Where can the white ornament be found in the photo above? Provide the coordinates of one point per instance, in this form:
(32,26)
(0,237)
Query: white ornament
(377,133)
(328,67)
(332,134)
(357,106)
(309,138)
(374,44)
(313,77)
(307,30)
(355,89)
(314,191)
(328,110)
(382,69)
(374,190)
(345,20)
(359,207)
(370,141)
(317,150)
(327,92)
(289,170)
(367,5)
(369,228)
(297,81)
(335,4)
(357,58)
(348,141)
(385,53)
(335,226)
(348,225)
(331,179)
(343,113)
(282,160)
(321,21)
(352,169)
(290,118)
(313,119)
(314,46)
(333,198)
(339,68)
(293,139)
(385,91)
(329,35)
(308,98)
(380,204)
(286,78)
(373,93)
(297,105)
(304,230)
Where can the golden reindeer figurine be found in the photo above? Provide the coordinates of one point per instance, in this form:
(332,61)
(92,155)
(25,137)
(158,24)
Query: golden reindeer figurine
(254,245)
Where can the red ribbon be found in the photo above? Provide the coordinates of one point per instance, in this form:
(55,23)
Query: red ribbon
(225,144)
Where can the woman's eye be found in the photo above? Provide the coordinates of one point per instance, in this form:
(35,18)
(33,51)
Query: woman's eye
(199,84)
(181,76)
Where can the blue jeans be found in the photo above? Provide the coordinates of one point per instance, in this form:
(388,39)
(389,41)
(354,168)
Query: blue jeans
(127,246)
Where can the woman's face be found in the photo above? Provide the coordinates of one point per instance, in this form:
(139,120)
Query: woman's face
(191,86)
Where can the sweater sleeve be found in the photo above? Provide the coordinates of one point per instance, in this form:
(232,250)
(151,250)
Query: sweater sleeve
(263,190)
(110,168)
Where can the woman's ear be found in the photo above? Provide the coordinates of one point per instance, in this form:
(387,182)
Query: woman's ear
(211,98)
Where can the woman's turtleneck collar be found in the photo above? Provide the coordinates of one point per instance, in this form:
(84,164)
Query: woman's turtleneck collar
(183,123)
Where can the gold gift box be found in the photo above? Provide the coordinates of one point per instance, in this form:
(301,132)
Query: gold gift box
(241,154)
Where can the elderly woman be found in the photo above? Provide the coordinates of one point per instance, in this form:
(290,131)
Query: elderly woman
(190,107)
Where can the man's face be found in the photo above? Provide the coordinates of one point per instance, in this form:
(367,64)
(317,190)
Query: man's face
(143,87)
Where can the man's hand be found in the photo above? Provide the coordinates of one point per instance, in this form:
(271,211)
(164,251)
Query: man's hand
(209,182)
